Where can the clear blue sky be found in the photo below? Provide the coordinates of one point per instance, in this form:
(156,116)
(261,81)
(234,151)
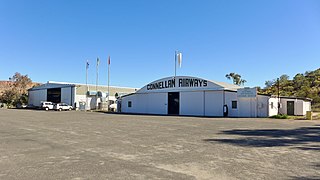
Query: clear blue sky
(260,40)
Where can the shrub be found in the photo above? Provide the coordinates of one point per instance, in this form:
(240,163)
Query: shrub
(280,116)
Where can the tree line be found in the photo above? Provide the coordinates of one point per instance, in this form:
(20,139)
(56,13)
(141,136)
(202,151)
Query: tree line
(305,85)
(17,93)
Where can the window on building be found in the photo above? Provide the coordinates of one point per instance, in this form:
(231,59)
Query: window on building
(234,105)
(271,105)
(129,104)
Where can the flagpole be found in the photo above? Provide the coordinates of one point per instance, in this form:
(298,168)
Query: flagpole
(87,67)
(175,63)
(108,82)
(97,69)
(87,75)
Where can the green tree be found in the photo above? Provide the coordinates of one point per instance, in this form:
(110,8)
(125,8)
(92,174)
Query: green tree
(236,78)
(286,85)
(269,83)
(21,83)
(18,92)
(8,97)
(305,85)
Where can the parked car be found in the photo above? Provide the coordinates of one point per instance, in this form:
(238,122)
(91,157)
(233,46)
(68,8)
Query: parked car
(47,105)
(62,106)
(113,107)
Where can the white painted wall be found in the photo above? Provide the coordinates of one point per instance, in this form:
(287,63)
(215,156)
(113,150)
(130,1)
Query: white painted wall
(273,109)
(81,98)
(35,97)
(192,103)
(138,101)
(157,103)
(124,103)
(300,106)
(210,103)
(306,107)
(229,97)
(213,103)
(247,107)
(151,103)
(259,106)
(283,108)
(303,107)
(263,105)
(141,103)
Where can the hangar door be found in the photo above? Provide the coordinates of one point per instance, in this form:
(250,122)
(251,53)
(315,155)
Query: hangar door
(173,103)
(54,95)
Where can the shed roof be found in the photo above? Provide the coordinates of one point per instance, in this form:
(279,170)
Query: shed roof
(82,88)
(292,97)
(50,86)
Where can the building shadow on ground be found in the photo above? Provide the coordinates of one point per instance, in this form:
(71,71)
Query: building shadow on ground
(304,138)
(315,166)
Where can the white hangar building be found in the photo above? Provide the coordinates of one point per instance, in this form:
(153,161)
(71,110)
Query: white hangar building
(78,95)
(192,96)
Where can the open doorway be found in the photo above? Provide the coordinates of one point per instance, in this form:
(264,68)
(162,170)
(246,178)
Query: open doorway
(173,103)
(54,95)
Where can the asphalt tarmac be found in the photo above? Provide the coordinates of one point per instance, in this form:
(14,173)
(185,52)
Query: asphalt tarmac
(91,145)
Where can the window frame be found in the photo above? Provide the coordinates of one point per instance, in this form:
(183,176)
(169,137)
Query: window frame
(234,104)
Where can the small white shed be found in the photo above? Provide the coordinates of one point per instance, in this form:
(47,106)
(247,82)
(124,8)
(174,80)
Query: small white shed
(295,106)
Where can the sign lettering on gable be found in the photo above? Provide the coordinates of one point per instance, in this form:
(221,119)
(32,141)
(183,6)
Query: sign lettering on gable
(181,82)
(247,93)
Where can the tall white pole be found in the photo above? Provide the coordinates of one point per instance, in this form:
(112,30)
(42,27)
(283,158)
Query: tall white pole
(97,79)
(87,67)
(175,63)
(97,69)
(108,81)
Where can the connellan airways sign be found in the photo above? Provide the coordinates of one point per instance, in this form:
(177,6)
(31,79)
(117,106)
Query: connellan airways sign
(179,82)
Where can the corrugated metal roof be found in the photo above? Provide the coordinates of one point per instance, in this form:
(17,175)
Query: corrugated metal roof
(292,97)
(226,86)
(50,86)
(82,88)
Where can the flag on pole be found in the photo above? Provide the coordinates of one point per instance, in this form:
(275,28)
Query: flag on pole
(179,56)
(97,78)
(109,60)
(98,61)
(87,65)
